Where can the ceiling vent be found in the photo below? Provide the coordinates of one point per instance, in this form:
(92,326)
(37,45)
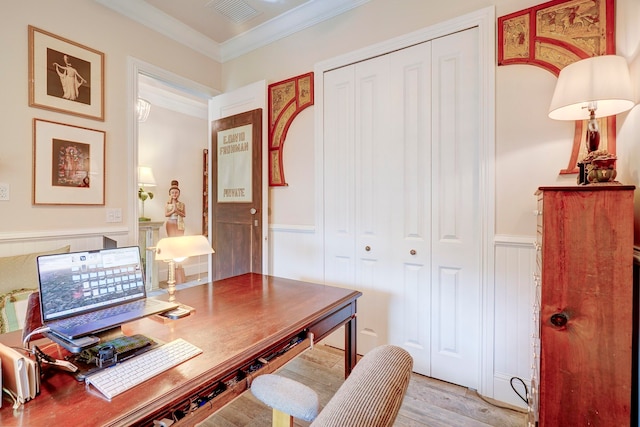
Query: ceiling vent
(237,11)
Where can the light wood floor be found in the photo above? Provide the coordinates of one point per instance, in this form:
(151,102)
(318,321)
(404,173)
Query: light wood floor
(428,402)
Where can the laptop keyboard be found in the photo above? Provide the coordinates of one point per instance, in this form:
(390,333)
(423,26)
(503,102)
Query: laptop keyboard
(99,315)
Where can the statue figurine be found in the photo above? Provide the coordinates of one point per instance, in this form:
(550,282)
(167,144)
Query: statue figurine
(174,211)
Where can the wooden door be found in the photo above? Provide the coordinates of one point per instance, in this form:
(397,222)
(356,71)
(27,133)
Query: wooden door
(236,194)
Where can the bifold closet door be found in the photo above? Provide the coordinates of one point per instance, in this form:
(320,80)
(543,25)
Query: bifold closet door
(400,196)
(360,160)
(455,203)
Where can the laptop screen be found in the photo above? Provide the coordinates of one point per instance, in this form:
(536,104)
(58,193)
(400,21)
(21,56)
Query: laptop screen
(79,282)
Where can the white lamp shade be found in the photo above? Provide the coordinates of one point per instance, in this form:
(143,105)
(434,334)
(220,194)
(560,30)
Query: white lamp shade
(145,177)
(602,79)
(176,248)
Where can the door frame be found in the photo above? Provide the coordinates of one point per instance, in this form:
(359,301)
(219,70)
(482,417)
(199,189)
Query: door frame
(135,67)
(485,20)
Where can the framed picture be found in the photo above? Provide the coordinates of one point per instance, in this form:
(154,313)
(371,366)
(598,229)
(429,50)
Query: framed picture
(68,164)
(65,76)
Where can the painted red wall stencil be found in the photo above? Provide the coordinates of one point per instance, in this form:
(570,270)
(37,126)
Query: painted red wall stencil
(287,99)
(555,34)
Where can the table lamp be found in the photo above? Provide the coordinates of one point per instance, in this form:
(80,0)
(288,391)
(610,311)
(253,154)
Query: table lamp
(177,249)
(588,89)
(145,179)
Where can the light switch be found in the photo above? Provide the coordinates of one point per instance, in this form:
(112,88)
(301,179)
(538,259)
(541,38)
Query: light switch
(4,191)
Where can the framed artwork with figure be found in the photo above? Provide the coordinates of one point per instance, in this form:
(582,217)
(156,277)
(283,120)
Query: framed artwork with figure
(65,76)
(68,164)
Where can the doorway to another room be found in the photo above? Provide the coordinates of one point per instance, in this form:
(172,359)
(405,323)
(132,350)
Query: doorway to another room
(170,151)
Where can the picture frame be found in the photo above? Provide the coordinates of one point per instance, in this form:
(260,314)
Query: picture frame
(65,76)
(68,164)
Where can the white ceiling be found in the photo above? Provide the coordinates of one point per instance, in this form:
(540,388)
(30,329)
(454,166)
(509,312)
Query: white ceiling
(221,20)
(226,29)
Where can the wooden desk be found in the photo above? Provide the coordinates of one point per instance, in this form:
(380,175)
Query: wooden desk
(237,320)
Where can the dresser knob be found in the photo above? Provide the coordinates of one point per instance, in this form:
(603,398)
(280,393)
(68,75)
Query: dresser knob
(413,252)
(559,319)
(367,248)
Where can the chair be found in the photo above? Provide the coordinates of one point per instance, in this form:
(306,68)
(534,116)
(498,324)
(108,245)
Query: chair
(370,397)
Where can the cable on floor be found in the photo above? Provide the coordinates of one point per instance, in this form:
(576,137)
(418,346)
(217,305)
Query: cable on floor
(510,407)
(526,390)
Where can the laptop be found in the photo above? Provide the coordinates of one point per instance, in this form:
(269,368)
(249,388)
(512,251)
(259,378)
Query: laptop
(83,293)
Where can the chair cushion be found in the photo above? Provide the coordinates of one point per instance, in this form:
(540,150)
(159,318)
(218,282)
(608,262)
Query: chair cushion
(286,395)
(373,392)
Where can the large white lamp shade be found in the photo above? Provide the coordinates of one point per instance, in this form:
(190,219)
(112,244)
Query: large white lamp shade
(603,80)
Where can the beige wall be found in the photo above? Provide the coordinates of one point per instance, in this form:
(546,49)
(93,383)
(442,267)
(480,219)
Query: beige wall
(88,23)
(530,147)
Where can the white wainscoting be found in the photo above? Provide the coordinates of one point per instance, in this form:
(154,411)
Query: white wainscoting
(296,254)
(87,239)
(513,323)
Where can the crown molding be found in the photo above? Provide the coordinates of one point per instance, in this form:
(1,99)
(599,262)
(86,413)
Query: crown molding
(155,19)
(297,19)
(303,16)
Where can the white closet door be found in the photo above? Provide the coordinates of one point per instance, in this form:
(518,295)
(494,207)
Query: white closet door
(455,244)
(434,297)
(359,157)
(410,289)
(400,176)
(339,178)
(376,179)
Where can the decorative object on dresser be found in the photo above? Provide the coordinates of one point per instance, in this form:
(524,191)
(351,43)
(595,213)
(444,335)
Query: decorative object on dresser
(553,35)
(583,308)
(590,89)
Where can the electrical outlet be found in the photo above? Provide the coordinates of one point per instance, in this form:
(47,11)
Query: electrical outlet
(4,191)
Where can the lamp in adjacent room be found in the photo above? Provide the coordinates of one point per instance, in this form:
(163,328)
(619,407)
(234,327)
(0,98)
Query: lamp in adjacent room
(589,89)
(145,179)
(177,249)
(143,108)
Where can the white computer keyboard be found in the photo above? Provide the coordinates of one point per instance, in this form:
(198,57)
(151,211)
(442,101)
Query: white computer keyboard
(123,376)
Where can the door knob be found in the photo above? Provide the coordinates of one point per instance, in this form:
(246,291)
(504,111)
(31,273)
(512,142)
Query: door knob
(413,252)
(559,319)
(253,211)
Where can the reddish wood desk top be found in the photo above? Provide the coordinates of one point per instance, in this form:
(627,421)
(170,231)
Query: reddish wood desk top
(236,321)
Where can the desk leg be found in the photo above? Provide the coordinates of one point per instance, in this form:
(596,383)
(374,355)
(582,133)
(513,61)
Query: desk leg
(350,346)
